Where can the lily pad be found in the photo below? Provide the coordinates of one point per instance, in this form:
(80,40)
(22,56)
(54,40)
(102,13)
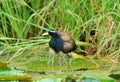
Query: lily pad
(11,74)
(115,76)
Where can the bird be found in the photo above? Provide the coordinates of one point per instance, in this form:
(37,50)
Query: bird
(60,42)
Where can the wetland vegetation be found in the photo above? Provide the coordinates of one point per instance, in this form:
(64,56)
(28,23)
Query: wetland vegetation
(94,25)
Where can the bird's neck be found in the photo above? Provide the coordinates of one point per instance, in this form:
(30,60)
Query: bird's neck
(56,36)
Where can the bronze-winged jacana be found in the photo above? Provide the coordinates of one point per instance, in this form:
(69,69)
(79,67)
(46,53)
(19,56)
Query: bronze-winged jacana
(60,42)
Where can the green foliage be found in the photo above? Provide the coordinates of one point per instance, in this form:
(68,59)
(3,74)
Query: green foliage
(23,21)
(21,18)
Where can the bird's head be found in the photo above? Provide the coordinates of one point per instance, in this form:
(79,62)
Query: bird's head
(52,33)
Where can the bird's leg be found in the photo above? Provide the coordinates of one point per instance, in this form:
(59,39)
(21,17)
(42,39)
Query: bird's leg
(51,57)
(60,59)
(70,58)
(67,59)
(48,60)
(64,59)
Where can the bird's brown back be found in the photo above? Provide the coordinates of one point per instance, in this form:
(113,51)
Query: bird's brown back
(68,42)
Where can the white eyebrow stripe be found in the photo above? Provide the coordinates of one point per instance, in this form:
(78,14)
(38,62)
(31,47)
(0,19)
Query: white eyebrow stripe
(52,31)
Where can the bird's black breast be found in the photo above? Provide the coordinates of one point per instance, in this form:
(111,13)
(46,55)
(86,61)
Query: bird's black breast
(56,43)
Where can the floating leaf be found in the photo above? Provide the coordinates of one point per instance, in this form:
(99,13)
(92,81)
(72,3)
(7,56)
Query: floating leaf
(86,79)
(115,76)
(47,80)
(75,55)
(15,77)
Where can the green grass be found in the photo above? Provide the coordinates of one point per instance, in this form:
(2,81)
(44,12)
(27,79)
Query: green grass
(22,23)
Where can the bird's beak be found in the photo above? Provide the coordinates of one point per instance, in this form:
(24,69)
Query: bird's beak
(46,33)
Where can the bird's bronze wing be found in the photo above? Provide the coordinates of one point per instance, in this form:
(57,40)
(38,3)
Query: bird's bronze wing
(68,43)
